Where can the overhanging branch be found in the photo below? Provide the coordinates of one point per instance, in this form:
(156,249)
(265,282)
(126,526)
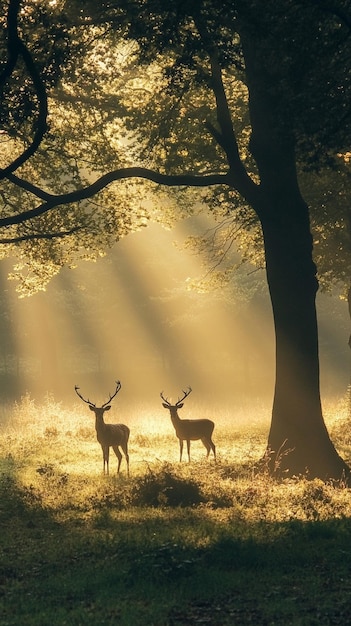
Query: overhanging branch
(30,187)
(16,47)
(53,201)
(34,236)
(12,37)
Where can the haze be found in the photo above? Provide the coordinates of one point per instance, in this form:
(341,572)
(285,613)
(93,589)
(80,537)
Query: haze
(131,316)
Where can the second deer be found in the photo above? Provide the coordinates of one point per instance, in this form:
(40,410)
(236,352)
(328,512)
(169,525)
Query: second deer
(109,435)
(190,430)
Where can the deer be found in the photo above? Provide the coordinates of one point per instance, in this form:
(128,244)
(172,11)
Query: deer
(190,430)
(109,435)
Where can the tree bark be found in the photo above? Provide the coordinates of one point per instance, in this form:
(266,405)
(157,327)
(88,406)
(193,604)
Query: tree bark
(298,442)
(349,343)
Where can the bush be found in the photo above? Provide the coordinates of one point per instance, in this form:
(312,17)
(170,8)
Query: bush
(164,488)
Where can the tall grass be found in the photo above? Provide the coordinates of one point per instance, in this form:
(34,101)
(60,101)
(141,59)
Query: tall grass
(176,544)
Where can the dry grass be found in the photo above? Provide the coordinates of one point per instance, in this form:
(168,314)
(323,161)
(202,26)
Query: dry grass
(176,544)
(54,451)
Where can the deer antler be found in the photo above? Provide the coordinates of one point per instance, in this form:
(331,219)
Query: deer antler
(165,399)
(118,387)
(186,393)
(180,400)
(81,397)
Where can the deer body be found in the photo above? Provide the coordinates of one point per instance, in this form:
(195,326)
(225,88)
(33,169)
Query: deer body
(190,430)
(113,436)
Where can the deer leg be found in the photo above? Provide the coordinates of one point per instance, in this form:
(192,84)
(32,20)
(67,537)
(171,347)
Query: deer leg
(118,455)
(106,456)
(188,448)
(213,449)
(207,446)
(180,449)
(125,450)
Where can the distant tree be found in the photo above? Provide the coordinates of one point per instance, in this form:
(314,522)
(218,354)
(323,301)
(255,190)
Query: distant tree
(231,97)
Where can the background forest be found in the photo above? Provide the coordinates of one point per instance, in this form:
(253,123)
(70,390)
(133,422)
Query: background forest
(137,314)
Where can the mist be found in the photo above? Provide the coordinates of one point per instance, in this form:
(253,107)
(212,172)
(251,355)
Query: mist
(132,316)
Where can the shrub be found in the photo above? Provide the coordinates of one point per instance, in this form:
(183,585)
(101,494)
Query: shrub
(164,488)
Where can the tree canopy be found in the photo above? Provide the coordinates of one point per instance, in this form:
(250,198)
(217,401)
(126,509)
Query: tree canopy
(105,86)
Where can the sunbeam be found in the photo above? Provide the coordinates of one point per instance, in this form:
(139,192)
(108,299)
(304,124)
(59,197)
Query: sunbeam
(133,316)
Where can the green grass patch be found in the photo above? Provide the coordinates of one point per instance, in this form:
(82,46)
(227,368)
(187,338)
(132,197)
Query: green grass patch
(175,544)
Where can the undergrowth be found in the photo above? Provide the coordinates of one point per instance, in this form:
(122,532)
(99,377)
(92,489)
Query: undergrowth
(175,544)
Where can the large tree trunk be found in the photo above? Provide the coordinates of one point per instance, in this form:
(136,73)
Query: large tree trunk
(298,441)
(349,386)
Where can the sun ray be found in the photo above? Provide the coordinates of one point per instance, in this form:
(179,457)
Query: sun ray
(132,316)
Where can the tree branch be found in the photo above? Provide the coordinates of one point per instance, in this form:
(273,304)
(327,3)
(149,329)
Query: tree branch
(228,137)
(35,236)
(28,186)
(16,47)
(225,136)
(53,201)
(12,40)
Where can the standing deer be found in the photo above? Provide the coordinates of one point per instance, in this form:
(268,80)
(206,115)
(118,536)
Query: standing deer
(190,430)
(114,435)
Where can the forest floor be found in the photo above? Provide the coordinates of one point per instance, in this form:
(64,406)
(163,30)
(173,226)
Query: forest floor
(200,543)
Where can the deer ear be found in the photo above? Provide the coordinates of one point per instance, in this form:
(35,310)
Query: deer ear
(179,406)
(91,407)
(165,405)
(107,408)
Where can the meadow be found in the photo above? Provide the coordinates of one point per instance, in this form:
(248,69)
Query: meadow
(194,544)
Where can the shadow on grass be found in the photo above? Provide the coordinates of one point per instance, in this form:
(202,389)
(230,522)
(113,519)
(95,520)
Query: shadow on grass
(20,504)
(174,565)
